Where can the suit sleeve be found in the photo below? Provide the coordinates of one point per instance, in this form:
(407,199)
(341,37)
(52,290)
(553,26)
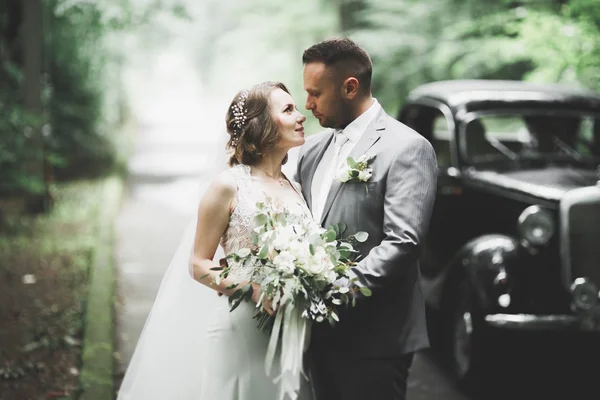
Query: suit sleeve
(408,203)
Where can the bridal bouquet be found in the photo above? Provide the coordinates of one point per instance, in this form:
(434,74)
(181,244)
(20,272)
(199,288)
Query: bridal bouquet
(297,263)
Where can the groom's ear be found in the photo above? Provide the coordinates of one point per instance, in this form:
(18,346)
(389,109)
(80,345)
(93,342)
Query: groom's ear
(350,87)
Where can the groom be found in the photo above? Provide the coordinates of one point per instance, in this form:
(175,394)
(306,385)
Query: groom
(368,354)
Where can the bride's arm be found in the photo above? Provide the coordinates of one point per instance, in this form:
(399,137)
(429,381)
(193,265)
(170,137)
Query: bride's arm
(213,216)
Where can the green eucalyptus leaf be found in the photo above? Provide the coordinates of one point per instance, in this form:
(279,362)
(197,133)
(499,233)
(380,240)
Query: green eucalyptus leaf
(366,291)
(330,236)
(351,162)
(281,218)
(315,239)
(245,252)
(345,299)
(216,268)
(261,219)
(263,252)
(334,316)
(336,229)
(361,236)
(203,277)
(344,254)
(248,290)
(234,303)
(311,248)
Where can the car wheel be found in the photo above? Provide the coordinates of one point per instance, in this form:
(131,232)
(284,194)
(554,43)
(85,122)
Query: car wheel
(467,344)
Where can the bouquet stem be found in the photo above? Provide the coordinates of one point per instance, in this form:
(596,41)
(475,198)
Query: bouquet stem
(265,321)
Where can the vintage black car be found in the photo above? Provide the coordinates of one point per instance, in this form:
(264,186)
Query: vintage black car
(514,240)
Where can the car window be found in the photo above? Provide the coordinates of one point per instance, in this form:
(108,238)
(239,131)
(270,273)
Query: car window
(588,140)
(518,136)
(506,128)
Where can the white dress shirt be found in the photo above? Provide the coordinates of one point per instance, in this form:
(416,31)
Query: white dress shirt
(324,173)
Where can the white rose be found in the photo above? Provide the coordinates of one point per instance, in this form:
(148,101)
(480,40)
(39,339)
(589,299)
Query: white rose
(319,263)
(300,250)
(284,261)
(283,237)
(365,175)
(299,229)
(331,276)
(315,228)
(265,237)
(343,174)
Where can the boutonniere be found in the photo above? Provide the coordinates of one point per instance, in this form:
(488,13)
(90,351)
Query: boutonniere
(356,170)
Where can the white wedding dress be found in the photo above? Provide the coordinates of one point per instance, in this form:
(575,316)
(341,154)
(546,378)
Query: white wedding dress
(194,349)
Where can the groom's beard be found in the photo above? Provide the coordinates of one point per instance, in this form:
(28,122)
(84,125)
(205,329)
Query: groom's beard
(342,118)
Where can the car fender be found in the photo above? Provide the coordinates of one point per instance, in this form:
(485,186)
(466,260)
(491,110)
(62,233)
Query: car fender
(481,261)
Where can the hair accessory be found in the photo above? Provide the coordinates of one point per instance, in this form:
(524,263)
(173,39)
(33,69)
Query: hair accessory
(239,114)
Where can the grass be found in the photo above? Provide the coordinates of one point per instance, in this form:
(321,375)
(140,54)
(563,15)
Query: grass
(44,278)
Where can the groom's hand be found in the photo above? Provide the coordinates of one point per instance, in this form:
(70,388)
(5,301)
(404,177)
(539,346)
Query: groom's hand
(267,303)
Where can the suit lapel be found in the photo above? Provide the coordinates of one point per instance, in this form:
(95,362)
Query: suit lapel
(312,161)
(367,139)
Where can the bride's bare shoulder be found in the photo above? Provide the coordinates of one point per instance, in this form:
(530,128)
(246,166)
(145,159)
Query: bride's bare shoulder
(224,185)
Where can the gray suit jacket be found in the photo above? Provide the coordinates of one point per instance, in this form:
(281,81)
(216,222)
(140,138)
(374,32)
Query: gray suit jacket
(395,212)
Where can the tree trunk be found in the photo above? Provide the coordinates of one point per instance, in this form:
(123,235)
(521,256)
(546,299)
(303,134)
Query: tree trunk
(348,11)
(32,43)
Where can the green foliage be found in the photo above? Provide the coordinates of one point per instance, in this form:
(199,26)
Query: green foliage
(415,42)
(81,94)
(14,149)
(572,55)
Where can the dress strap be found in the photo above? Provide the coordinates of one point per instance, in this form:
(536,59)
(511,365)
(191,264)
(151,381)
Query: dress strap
(243,180)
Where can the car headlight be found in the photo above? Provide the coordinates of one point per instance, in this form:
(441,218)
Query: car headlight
(585,293)
(536,225)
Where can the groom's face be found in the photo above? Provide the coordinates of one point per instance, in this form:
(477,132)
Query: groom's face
(323,95)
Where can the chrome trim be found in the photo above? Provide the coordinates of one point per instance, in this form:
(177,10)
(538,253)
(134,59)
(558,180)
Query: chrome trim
(544,322)
(590,194)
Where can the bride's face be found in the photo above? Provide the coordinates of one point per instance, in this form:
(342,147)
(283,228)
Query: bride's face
(288,118)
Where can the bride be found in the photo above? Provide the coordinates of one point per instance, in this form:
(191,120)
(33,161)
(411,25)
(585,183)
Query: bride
(193,349)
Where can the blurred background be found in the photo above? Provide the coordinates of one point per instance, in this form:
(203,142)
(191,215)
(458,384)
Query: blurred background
(121,103)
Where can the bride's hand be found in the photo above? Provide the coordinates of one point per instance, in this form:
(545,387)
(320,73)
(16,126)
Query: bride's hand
(267,304)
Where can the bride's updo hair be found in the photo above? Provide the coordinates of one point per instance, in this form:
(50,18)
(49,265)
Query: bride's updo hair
(250,124)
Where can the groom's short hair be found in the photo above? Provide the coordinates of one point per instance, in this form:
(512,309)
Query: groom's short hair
(345,56)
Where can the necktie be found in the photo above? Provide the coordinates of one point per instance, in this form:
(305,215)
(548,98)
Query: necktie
(332,164)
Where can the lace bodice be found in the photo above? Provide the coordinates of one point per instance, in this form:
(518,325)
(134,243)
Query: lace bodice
(241,221)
